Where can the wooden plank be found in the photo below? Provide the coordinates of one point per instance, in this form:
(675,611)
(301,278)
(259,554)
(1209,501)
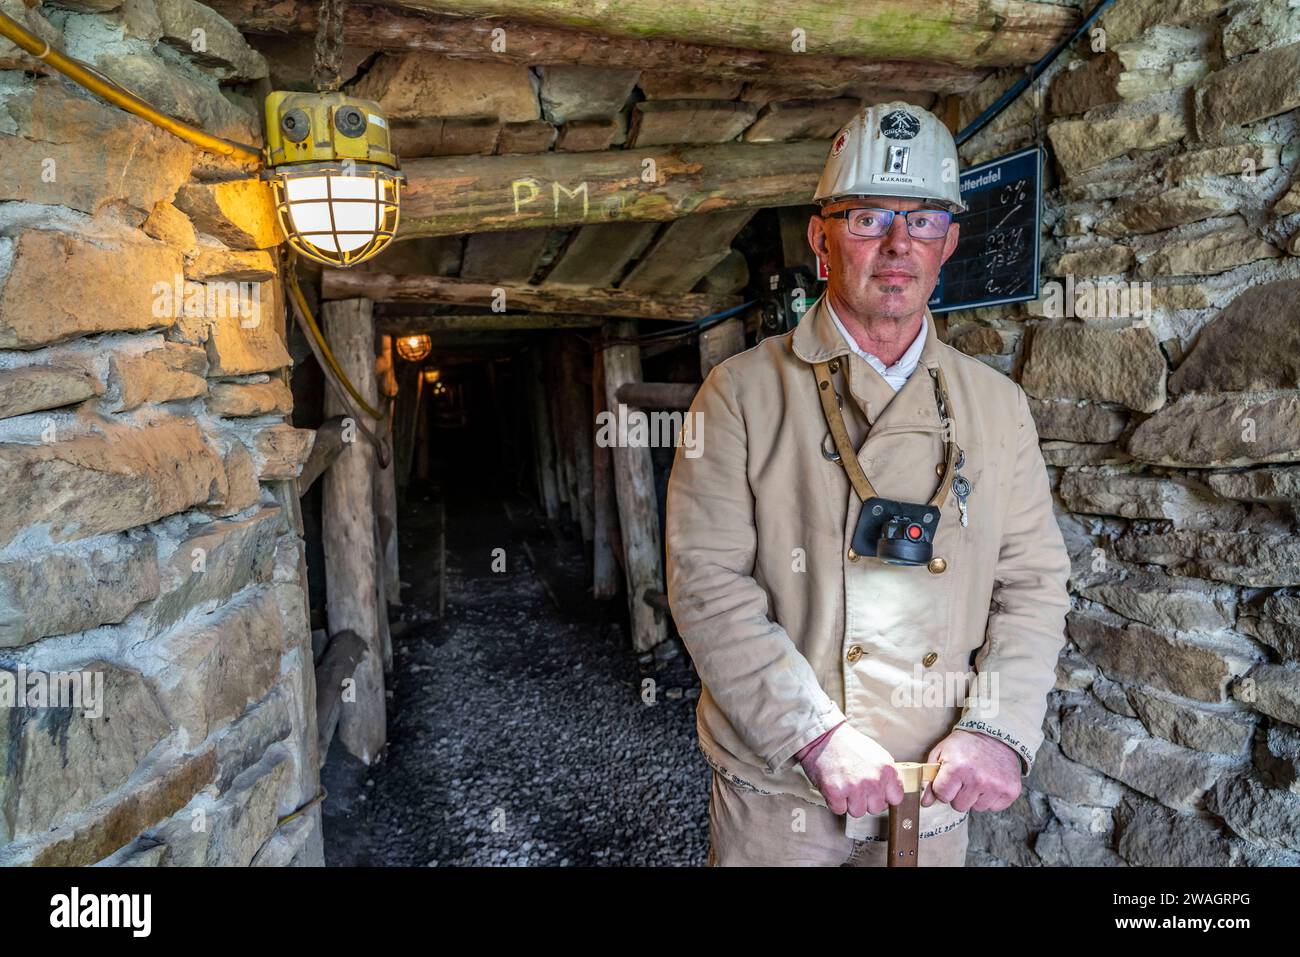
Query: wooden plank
(526,136)
(450,136)
(637,303)
(721,342)
(729,276)
(340,661)
(658,395)
(326,448)
(659,122)
(599,255)
(583,136)
(452,194)
(485,322)
(665,85)
(963,32)
(510,256)
(347,508)
(801,119)
(638,508)
(685,252)
(376,27)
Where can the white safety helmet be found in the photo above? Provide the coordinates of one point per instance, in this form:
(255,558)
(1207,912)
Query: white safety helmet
(893,149)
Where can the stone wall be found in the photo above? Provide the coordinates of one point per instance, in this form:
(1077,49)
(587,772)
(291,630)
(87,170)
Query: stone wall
(1172,435)
(149,534)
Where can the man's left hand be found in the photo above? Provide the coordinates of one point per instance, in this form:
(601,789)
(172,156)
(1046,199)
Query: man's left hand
(977,773)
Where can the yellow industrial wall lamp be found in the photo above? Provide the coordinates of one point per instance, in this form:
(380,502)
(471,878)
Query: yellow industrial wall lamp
(336,180)
(328,158)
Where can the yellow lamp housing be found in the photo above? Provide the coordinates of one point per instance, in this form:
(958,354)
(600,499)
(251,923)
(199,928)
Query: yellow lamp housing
(335,177)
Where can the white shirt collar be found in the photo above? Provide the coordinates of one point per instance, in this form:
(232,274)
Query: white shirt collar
(897,373)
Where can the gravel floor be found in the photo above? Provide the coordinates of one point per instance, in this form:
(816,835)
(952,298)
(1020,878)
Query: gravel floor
(517,733)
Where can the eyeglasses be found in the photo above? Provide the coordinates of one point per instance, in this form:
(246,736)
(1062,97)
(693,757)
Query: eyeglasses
(871,223)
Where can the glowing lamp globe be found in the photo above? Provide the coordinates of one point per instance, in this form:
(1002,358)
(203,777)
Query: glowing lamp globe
(414,348)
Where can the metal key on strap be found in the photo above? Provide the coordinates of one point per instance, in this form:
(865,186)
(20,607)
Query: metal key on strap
(905,818)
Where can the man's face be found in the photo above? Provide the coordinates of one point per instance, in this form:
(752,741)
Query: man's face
(889,277)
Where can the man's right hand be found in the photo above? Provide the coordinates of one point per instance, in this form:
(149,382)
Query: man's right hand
(853,773)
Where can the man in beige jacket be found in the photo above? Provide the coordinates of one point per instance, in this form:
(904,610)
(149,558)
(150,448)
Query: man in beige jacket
(821,664)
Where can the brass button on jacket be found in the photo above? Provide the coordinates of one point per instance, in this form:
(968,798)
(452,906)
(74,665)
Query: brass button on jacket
(929,659)
(855,652)
(937,565)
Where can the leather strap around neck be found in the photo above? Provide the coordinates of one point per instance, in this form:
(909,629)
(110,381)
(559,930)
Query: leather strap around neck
(840,435)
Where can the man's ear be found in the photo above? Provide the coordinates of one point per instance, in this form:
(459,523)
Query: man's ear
(950,242)
(817,238)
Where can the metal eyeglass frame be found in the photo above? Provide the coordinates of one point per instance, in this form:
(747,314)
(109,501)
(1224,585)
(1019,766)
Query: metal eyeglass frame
(906,214)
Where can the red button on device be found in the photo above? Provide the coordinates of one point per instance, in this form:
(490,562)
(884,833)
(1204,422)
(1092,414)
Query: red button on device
(914,531)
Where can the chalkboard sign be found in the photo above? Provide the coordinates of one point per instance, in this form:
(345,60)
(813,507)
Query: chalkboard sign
(996,260)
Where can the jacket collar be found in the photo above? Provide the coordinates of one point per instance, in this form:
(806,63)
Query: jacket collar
(816,339)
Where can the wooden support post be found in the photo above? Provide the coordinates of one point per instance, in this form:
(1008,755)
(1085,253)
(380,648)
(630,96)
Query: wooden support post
(543,442)
(606,548)
(348,520)
(637,504)
(386,480)
(576,401)
(564,480)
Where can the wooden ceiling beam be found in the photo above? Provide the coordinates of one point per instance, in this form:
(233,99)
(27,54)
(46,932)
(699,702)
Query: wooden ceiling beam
(961,32)
(378,287)
(474,194)
(414,324)
(392,29)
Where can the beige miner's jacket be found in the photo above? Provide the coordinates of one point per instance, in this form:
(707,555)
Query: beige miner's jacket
(790,635)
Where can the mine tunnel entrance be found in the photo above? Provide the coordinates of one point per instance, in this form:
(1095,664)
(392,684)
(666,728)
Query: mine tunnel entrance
(523,726)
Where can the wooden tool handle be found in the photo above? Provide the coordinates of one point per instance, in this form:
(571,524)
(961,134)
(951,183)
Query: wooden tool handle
(905,818)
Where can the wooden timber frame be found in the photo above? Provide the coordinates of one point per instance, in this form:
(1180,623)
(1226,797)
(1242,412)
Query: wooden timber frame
(629,218)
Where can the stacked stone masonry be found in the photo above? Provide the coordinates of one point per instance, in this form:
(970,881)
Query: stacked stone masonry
(1172,435)
(149,538)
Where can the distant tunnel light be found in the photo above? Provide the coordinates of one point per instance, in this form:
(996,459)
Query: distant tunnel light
(414,348)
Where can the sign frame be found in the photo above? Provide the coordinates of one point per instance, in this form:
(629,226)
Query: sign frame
(1036,283)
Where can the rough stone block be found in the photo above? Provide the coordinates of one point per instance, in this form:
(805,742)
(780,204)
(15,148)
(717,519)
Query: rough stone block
(1227,356)
(239,212)
(106,482)
(215,561)
(1208,255)
(1108,365)
(234,399)
(1255,558)
(36,312)
(33,388)
(77,151)
(60,761)
(1137,655)
(1219,430)
(1120,748)
(208,670)
(66,591)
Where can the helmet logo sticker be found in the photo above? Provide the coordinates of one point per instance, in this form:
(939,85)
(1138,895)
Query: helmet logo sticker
(840,140)
(900,125)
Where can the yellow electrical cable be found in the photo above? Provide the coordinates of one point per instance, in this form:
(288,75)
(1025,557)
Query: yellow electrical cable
(102,86)
(319,336)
